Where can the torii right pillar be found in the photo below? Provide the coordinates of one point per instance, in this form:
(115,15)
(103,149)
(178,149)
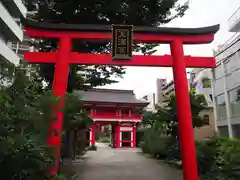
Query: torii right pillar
(187,144)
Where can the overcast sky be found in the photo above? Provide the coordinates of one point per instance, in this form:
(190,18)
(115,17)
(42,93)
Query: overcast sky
(201,13)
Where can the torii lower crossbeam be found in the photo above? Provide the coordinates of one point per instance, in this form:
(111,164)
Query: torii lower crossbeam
(106,59)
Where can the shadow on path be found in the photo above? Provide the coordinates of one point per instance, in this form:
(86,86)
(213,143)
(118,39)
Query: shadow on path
(125,164)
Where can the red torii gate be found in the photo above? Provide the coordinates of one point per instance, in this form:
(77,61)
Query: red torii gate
(176,37)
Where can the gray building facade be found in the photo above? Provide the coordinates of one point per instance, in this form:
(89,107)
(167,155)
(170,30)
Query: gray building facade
(226,85)
(226,82)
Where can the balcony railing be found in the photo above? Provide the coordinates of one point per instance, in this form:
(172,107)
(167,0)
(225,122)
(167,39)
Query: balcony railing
(102,115)
(234,21)
(227,44)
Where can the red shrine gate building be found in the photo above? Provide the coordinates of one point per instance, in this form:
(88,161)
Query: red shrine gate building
(118,108)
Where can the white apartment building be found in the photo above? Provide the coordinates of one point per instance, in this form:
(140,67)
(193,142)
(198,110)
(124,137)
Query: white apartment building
(202,83)
(226,83)
(152,101)
(11,31)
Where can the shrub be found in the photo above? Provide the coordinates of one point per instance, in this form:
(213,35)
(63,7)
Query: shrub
(23,128)
(139,138)
(206,153)
(62,177)
(219,158)
(21,158)
(156,144)
(174,152)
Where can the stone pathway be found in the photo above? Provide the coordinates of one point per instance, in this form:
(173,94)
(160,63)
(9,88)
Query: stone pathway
(125,164)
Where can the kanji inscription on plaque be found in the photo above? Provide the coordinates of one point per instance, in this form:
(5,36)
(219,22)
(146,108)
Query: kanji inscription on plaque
(122,42)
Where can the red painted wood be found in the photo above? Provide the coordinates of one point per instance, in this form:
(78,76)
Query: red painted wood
(59,90)
(93,132)
(134,136)
(108,118)
(140,60)
(114,116)
(118,135)
(126,140)
(41,57)
(115,104)
(53,141)
(106,59)
(107,36)
(187,144)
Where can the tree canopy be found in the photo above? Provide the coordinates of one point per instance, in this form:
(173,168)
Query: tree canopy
(101,12)
(166,117)
(26,112)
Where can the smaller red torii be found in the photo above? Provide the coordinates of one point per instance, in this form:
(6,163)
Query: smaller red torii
(176,37)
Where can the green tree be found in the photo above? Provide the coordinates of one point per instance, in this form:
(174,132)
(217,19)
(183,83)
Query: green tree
(6,72)
(218,158)
(163,126)
(100,12)
(25,116)
(167,116)
(23,129)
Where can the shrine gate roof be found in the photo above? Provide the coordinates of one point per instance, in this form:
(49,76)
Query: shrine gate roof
(107,28)
(110,96)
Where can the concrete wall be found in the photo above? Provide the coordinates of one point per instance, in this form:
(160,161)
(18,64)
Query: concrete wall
(227,87)
(207,130)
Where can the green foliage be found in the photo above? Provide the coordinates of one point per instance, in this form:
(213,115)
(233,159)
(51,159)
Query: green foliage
(62,177)
(206,151)
(218,158)
(73,117)
(23,128)
(99,12)
(166,116)
(161,134)
(155,143)
(75,120)
(139,137)
(26,111)
(6,72)
(207,83)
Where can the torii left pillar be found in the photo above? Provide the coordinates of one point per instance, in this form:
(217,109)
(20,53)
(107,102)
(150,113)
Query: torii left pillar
(59,90)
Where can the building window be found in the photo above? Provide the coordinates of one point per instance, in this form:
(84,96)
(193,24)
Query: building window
(221,107)
(207,83)
(234,98)
(206,119)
